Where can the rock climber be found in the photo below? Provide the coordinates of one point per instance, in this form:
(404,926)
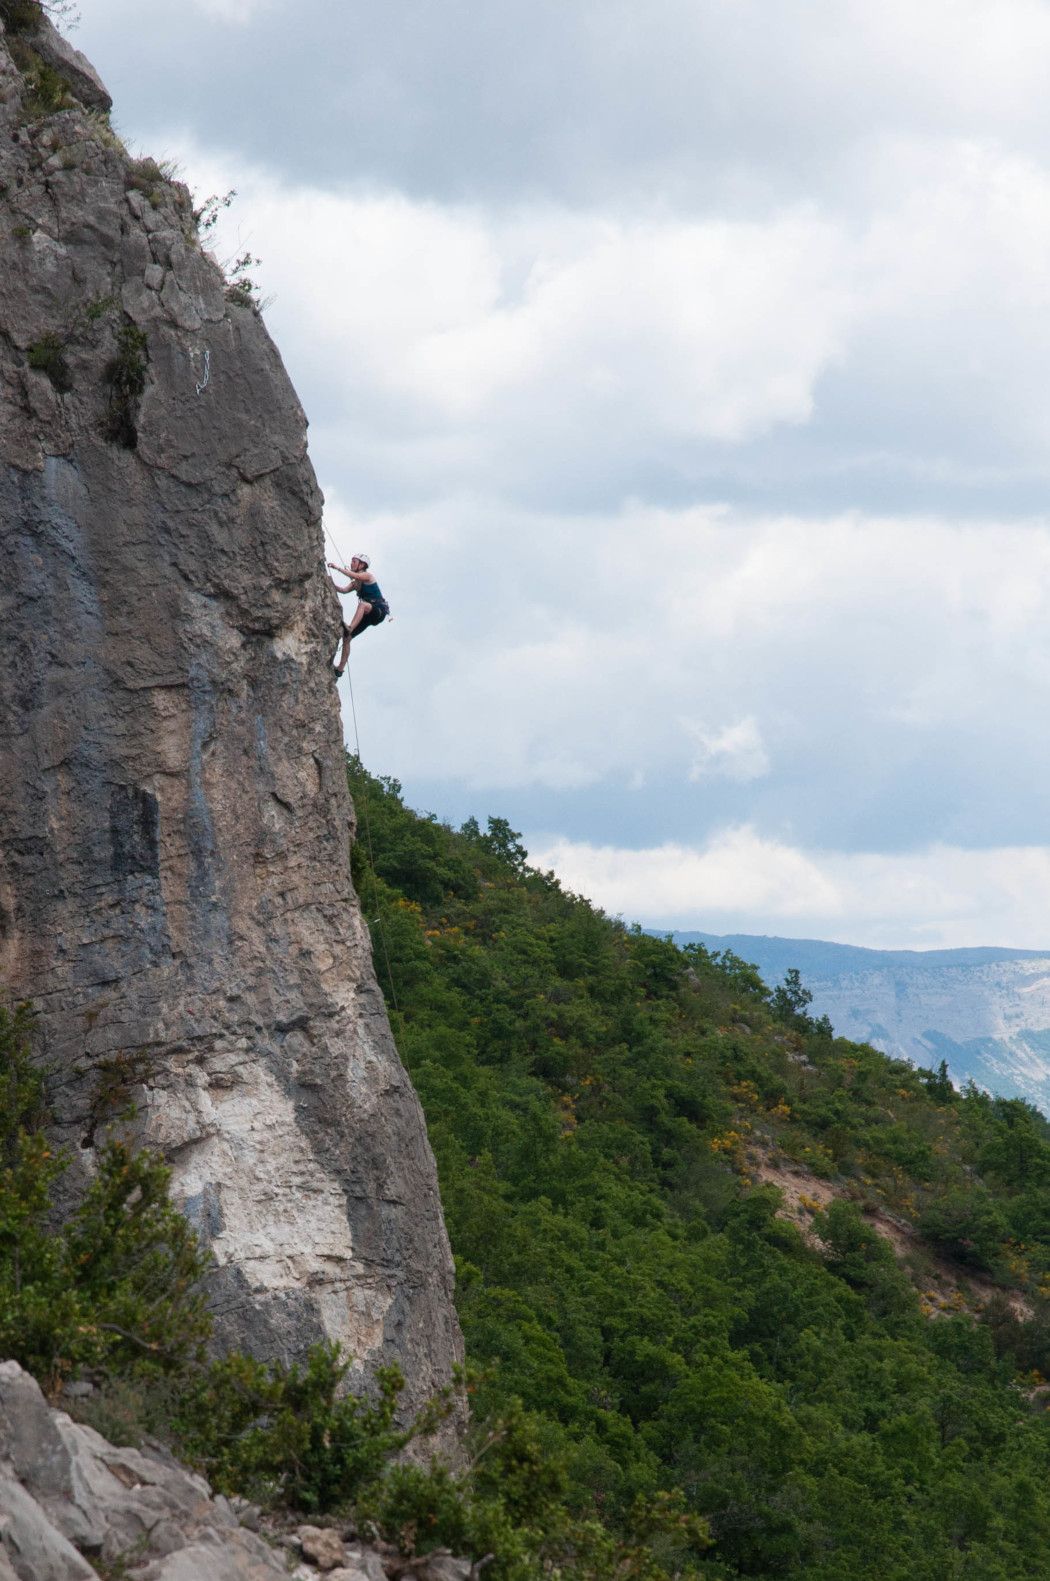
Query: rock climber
(372,608)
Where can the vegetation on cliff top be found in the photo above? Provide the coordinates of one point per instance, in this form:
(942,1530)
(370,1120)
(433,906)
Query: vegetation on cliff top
(602,1106)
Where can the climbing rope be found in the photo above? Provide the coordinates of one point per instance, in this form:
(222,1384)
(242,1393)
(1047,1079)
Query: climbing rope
(372,865)
(343,559)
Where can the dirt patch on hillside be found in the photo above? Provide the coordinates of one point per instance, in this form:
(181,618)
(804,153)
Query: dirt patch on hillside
(943,1286)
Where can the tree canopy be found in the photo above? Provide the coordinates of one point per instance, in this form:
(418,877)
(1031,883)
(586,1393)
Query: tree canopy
(603,1107)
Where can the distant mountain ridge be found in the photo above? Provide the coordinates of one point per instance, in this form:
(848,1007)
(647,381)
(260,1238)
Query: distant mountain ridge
(985,1010)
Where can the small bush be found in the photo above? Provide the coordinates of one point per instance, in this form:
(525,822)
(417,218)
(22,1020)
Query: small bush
(48,92)
(479,1515)
(150,177)
(48,355)
(21,16)
(241,289)
(104,132)
(125,376)
(283,1434)
(969,1226)
(113,1288)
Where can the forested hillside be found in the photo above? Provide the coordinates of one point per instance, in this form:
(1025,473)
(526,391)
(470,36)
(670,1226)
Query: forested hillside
(603,1105)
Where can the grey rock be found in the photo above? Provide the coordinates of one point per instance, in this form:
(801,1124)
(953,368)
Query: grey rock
(32,1546)
(366,1560)
(174,816)
(79,1389)
(154,276)
(66,1490)
(73,67)
(180,307)
(322,1546)
(446,1567)
(210,1561)
(246,1513)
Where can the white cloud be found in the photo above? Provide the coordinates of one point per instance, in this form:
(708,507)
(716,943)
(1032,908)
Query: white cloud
(544,323)
(737,752)
(238,12)
(543,351)
(936,898)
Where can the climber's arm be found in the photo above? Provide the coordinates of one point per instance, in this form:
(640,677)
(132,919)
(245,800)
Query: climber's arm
(351,586)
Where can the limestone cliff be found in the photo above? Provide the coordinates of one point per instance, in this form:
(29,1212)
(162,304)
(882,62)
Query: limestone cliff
(175,891)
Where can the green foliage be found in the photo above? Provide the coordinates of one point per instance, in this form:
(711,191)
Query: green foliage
(207,213)
(48,355)
(602,1107)
(125,378)
(938,1083)
(151,177)
(287,1433)
(789,1000)
(112,1292)
(47,91)
(967,1224)
(27,16)
(241,289)
(509,1507)
(115,1286)
(21,16)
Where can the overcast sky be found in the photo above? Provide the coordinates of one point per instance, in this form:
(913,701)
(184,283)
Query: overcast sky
(685,367)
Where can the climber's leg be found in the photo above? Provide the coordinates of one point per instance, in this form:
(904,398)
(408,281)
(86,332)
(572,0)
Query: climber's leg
(361,617)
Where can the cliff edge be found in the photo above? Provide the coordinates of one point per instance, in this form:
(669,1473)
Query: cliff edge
(175,891)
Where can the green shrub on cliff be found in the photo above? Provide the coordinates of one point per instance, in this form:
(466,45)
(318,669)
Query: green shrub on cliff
(116,1285)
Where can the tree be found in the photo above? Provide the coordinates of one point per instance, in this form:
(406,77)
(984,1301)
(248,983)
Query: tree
(938,1083)
(117,1284)
(790,1000)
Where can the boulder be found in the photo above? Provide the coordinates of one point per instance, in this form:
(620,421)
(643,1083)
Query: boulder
(73,67)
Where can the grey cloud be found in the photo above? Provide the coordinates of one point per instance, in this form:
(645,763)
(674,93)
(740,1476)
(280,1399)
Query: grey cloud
(588,101)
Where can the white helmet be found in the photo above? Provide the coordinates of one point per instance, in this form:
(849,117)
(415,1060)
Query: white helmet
(364,559)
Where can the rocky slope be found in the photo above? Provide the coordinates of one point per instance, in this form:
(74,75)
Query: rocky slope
(985,1011)
(175,892)
(74,1506)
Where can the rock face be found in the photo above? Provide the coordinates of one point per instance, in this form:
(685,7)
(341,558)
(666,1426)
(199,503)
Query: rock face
(175,891)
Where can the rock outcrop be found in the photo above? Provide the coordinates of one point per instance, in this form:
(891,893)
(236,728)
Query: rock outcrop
(175,890)
(73,1505)
(65,1493)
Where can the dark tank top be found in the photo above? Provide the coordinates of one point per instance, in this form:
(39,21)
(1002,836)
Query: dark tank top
(369,592)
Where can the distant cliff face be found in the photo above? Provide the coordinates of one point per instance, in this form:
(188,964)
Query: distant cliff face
(985,1011)
(175,891)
